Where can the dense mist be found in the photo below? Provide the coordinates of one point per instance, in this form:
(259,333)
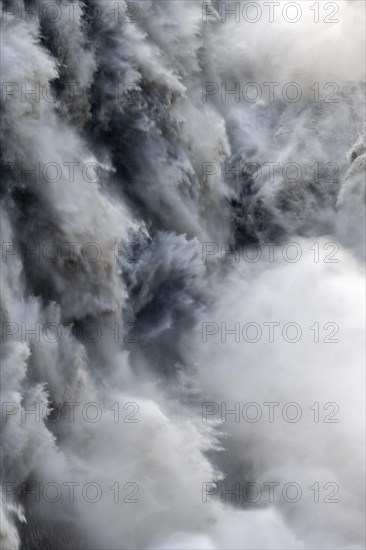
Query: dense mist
(182,274)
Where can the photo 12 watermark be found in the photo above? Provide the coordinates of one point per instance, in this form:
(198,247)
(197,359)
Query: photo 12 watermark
(70,412)
(270,92)
(270,492)
(70,253)
(69,12)
(271,171)
(90,492)
(37,92)
(89,332)
(269,332)
(232,11)
(270,252)
(270,412)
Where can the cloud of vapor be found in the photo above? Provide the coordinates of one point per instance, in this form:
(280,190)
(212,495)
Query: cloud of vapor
(156,139)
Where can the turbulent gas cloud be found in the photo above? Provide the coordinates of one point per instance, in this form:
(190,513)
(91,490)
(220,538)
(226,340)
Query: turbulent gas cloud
(182,287)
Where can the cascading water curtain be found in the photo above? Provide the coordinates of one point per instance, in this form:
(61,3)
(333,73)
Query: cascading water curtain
(182,274)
